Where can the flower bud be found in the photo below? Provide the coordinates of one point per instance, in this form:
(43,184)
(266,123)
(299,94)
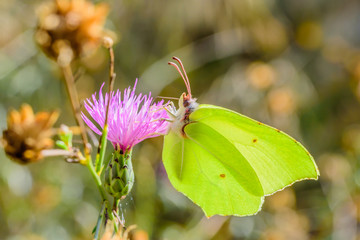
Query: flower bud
(119,175)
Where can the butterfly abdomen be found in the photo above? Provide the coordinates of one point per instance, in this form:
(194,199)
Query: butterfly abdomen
(190,106)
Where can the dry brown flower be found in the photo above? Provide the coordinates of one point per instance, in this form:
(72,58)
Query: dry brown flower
(68,29)
(27,134)
(122,234)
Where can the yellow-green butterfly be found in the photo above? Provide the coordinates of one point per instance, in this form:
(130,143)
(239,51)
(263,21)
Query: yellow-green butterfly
(226,162)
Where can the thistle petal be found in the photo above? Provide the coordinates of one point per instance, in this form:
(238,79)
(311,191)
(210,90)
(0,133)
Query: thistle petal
(132,118)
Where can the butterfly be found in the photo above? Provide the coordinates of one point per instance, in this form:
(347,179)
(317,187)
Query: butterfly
(226,162)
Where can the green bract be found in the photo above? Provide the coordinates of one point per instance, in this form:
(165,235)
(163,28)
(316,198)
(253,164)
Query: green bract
(119,175)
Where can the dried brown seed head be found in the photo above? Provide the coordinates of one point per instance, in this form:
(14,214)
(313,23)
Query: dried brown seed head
(27,134)
(122,234)
(68,29)
(108,42)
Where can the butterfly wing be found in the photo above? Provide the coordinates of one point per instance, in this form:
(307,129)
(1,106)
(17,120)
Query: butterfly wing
(209,170)
(278,159)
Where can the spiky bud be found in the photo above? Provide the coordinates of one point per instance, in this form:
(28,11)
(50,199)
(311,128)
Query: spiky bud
(119,175)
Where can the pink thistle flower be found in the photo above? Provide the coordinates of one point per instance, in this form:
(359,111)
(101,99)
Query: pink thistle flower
(132,118)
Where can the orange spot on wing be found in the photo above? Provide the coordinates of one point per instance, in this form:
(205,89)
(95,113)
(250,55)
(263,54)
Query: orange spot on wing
(222,175)
(254,140)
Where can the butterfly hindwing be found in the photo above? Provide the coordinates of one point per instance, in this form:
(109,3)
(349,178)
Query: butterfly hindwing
(211,172)
(277,159)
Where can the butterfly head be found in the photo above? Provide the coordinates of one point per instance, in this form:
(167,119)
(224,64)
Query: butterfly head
(186,101)
(187,104)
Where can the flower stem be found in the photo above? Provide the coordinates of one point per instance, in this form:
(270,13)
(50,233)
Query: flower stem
(103,140)
(101,149)
(74,99)
(99,221)
(97,179)
(70,86)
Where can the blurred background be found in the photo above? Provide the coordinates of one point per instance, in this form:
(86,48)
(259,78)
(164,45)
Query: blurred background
(292,64)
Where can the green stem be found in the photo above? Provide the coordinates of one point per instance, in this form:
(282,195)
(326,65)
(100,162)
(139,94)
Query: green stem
(112,218)
(116,205)
(99,221)
(101,149)
(116,228)
(97,179)
(102,192)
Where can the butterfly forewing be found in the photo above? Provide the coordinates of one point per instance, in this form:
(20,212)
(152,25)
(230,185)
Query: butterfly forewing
(277,159)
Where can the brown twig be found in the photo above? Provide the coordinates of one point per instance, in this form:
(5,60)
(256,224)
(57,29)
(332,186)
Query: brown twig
(55,152)
(102,142)
(112,76)
(70,87)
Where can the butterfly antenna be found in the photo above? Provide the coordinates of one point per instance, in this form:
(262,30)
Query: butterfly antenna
(178,69)
(183,68)
(171,98)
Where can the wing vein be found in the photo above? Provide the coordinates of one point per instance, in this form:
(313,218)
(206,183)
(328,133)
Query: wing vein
(182,157)
(201,169)
(227,165)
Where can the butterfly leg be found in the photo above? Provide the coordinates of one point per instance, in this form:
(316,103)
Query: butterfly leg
(171,110)
(153,134)
(162,119)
